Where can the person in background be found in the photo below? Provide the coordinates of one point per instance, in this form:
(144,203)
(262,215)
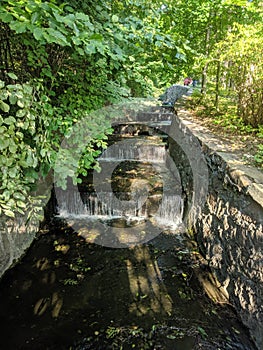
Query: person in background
(187,81)
(195,82)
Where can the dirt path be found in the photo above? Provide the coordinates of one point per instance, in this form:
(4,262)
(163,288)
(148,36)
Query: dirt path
(244,146)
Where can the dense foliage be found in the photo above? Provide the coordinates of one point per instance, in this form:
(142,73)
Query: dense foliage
(60,60)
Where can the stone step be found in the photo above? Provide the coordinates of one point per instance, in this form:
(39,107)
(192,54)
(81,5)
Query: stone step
(154,116)
(141,129)
(147,116)
(159,109)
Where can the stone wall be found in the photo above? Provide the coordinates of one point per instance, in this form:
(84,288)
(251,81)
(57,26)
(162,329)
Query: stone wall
(229,226)
(229,233)
(16,235)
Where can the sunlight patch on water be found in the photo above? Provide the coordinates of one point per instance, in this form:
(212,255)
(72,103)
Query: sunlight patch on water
(147,288)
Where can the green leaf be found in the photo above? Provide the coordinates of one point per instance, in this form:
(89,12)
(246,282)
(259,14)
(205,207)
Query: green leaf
(4,143)
(9,161)
(75,29)
(13,148)
(19,196)
(2,129)
(96,36)
(19,27)
(80,51)
(69,8)
(13,99)
(170,336)
(38,33)
(21,113)
(82,16)
(20,104)
(12,172)
(202,332)
(4,106)
(20,211)
(10,120)
(115,19)
(9,213)
(12,76)
(55,36)
(34,17)
(90,48)
(21,204)
(6,17)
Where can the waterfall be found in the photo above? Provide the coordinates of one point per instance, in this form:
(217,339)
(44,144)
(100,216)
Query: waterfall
(162,205)
(146,153)
(170,210)
(107,205)
(74,204)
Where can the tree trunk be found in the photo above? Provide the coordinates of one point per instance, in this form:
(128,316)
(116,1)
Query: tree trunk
(204,79)
(204,73)
(217,84)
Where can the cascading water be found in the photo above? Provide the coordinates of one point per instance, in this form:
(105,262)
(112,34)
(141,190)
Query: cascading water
(142,163)
(137,151)
(170,210)
(89,205)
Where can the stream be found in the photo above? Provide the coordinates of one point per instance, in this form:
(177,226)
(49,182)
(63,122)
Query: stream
(113,268)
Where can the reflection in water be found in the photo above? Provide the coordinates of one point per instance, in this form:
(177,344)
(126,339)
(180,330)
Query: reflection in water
(47,277)
(41,306)
(145,280)
(54,303)
(43,264)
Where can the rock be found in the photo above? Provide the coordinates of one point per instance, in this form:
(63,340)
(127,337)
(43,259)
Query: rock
(173,93)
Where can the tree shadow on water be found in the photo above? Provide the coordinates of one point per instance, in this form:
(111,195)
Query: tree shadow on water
(70,293)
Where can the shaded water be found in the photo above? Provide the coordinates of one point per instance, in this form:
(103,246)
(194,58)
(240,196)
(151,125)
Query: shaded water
(114,270)
(68,293)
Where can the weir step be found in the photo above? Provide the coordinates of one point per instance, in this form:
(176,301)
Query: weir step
(147,116)
(150,116)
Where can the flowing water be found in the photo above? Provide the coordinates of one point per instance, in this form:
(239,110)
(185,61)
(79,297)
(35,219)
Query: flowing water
(113,269)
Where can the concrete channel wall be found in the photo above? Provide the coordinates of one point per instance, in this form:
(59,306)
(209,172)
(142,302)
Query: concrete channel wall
(228,225)
(16,235)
